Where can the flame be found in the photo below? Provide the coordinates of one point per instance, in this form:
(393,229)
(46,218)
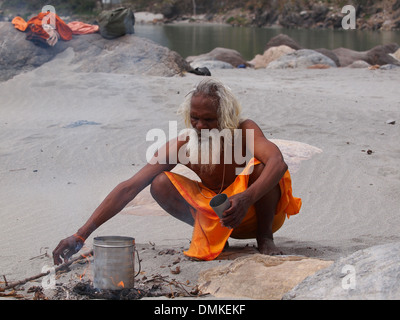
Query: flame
(84,271)
(119,284)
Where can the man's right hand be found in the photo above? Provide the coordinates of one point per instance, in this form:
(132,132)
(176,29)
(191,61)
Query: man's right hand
(66,248)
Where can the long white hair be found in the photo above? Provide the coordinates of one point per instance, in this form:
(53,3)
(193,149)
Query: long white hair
(229,109)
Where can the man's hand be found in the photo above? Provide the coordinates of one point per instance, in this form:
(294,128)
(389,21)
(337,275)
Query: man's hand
(232,217)
(66,248)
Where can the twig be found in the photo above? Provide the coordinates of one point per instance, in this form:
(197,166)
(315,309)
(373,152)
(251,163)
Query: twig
(5,280)
(64,265)
(13,170)
(174,282)
(41,255)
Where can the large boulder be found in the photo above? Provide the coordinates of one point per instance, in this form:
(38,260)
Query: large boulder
(370,274)
(258,276)
(128,54)
(379,55)
(359,64)
(271,54)
(282,39)
(330,54)
(301,59)
(230,56)
(18,54)
(347,56)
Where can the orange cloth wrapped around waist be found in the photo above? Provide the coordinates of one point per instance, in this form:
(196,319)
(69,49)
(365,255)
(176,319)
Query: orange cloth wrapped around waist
(209,236)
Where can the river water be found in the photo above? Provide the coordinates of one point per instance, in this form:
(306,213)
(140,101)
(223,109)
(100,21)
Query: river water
(194,39)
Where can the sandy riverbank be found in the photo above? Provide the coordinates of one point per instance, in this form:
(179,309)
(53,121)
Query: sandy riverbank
(68,138)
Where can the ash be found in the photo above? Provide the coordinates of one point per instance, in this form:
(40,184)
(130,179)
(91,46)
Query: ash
(156,286)
(86,290)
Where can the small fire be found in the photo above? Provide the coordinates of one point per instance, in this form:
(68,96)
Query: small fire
(84,271)
(119,284)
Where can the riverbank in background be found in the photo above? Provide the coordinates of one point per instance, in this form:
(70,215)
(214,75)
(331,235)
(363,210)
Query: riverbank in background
(370,15)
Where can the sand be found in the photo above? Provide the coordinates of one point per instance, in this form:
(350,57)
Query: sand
(68,138)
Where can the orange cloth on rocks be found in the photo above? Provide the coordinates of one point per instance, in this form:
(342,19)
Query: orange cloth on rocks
(19,23)
(35,25)
(78,27)
(209,236)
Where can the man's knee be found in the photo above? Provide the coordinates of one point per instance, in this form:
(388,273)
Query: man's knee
(159,186)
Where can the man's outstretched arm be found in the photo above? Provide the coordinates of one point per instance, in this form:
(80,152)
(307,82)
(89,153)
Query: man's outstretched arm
(115,201)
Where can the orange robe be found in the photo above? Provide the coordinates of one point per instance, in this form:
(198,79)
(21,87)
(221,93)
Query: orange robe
(209,236)
(35,25)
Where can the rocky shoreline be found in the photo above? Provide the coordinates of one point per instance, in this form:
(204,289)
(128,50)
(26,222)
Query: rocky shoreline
(130,54)
(379,15)
(370,15)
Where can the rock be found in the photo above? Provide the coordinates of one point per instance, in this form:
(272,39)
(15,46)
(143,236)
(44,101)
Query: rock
(302,59)
(170,10)
(292,15)
(370,274)
(285,40)
(18,54)
(271,54)
(295,152)
(333,20)
(127,54)
(396,5)
(291,20)
(347,56)
(230,56)
(211,64)
(319,12)
(259,276)
(330,54)
(379,55)
(389,67)
(282,39)
(359,64)
(396,54)
(265,17)
(148,17)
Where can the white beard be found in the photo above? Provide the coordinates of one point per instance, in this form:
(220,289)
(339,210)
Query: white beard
(204,151)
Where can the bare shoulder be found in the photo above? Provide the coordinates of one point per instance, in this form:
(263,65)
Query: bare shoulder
(249,124)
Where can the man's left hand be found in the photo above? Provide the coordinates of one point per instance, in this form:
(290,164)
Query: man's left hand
(232,217)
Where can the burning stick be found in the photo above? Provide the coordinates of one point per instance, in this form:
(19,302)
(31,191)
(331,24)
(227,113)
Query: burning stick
(64,265)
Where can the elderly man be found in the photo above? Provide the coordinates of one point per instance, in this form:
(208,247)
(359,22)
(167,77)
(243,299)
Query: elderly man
(259,189)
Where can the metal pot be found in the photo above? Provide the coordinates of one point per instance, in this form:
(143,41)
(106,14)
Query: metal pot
(114,262)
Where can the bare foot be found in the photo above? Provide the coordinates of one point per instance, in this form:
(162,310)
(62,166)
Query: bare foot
(267,246)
